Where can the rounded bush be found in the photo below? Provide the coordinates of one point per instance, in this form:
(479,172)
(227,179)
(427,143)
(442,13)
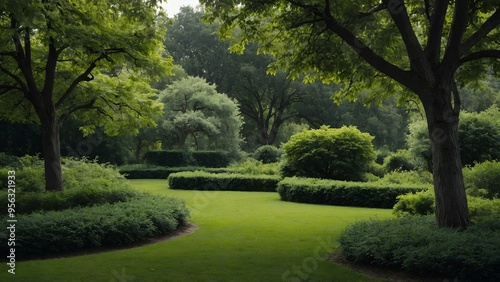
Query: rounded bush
(330,153)
(400,160)
(267,154)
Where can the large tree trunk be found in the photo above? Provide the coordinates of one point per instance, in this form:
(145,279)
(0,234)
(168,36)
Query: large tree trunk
(451,201)
(51,151)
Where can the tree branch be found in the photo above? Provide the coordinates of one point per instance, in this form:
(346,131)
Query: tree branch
(458,27)
(490,24)
(480,55)
(19,81)
(433,48)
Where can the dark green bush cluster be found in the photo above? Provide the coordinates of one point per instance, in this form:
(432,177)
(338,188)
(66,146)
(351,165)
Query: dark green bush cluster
(177,158)
(164,172)
(267,154)
(330,153)
(343,193)
(401,160)
(104,225)
(28,202)
(200,180)
(415,244)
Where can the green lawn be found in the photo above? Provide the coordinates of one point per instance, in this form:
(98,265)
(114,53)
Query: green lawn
(242,236)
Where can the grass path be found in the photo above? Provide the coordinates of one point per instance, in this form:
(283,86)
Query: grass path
(242,236)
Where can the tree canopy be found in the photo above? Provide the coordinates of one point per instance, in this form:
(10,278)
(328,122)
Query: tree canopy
(89,59)
(197,117)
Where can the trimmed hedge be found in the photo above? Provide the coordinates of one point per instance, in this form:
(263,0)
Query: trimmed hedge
(416,244)
(342,193)
(116,224)
(164,172)
(200,180)
(176,158)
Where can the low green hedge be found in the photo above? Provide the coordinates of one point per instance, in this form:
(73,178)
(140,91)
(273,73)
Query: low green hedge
(28,202)
(342,193)
(89,227)
(177,158)
(416,244)
(164,172)
(200,180)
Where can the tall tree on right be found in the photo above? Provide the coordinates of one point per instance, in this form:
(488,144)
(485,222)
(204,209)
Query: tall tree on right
(423,47)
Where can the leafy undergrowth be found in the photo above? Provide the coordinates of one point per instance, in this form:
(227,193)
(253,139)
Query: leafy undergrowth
(415,244)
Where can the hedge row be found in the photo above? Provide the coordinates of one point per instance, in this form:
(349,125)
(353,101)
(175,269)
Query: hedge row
(200,180)
(342,193)
(176,158)
(28,202)
(164,172)
(89,227)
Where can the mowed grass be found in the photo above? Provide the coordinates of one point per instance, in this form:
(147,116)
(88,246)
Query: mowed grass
(241,236)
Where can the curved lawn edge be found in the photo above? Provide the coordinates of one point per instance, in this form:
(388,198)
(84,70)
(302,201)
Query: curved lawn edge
(181,231)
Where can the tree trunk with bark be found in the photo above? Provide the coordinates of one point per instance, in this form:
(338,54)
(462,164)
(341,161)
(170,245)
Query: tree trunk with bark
(51,151)
(450,197)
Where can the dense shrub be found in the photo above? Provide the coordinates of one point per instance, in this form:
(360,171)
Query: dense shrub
(419,203)
(407,178)
(200,180)
(187,158)
(331,153)
(105,225)
(342,193)
(416,244)
(267,154)
(76,173)
(401,160)
(422,203)
(483,179)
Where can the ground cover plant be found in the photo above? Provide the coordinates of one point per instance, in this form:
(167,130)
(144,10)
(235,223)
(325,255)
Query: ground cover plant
(416,244)
(241,236)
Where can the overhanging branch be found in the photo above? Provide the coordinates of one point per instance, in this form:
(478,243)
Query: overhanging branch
(490,24)
(480,55)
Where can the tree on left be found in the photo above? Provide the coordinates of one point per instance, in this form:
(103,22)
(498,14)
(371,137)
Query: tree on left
(89,59)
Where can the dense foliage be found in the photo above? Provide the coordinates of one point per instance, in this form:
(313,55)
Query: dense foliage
(196,116)
(199,180)
(478,138)
(422,203)
(416,244)
(267,154)
(343,193)
(483,179)
(102,225)
(331,153)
